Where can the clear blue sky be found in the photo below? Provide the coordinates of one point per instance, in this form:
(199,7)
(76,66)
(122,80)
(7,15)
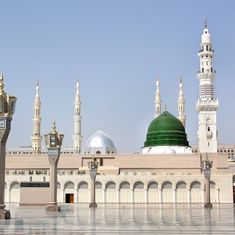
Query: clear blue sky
(116,49)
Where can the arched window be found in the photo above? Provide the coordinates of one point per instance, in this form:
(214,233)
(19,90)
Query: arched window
(110,185)
(181,185)
(83,185)
(195,185)
(152,185)
(138,185)
(98,185)
(124,185)
(167,185)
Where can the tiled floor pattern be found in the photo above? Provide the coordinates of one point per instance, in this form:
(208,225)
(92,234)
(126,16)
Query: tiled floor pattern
(121,219)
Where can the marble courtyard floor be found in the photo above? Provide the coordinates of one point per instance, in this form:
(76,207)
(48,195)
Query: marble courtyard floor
(121,219)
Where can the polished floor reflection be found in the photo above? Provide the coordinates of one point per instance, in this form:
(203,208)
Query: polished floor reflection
(121,219)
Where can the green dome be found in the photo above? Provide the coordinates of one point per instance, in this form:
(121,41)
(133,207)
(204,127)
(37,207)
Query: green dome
(166,130)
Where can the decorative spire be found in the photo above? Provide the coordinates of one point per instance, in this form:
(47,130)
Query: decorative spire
(77,86)
(181,103)
(181,92)
(157,99)
(36,137)
(37,89)
(77,138)
(205,23)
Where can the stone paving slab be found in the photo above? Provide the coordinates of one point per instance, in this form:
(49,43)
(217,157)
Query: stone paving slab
(121,219)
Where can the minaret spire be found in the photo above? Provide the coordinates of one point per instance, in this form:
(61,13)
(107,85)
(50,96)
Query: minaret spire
(205,23)
(158,99)
(77,138)
(36,137)
(207,103)
(181,103)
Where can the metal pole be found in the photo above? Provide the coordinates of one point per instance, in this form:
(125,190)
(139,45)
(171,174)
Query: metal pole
(4,213)
(93,204)
(2,174)
(207,203)
(53,159)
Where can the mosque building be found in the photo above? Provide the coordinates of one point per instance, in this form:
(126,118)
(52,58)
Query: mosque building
(168,170)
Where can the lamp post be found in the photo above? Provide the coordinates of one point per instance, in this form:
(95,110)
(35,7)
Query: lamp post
(206,168)
(93,166)
(7,108)
(53,142)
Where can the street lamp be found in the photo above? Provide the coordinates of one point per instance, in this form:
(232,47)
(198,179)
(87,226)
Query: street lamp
(7,109)
(206,168)
(93,166)
(53,142)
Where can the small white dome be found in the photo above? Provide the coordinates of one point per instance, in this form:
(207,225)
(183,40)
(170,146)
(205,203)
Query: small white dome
(170,151)
(99,143)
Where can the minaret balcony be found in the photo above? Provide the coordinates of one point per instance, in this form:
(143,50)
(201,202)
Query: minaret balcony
(205,53)
(207,105)
(210,50)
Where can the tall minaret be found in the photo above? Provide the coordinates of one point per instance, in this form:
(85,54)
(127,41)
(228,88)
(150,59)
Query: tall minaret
(207,104)
(157,100)
(36,137)
(77,138)
(181,104)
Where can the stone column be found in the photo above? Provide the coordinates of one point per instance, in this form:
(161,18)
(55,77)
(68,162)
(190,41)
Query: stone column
(174,195)
(62,194)
(104,193)
(7,196)
(146,195)
(118,197)
(160,195)
(4,214)
(75,194)
(189,195)
(132,194)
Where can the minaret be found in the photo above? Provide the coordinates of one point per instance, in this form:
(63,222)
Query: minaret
(77,138)
(181,104)
(157,100)
(207,104)
(36,137)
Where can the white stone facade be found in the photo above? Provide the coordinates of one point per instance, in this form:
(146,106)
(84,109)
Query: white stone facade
(129,188)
